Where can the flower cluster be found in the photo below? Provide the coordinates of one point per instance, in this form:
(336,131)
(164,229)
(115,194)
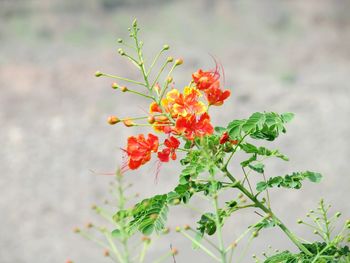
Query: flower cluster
(177,115)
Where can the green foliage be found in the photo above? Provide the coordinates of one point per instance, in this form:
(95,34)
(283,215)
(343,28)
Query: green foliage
(265,126)
(149,215)
(206,224)
(289,181)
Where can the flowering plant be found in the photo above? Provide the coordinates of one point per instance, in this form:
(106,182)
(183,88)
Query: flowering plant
(181,122)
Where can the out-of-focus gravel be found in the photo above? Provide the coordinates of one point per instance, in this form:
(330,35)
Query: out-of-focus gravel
(278,56)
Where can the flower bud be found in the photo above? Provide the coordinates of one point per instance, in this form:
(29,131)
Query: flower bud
(166,230)
(169,79)
(120,40)
(255,233)
(338,214)
(115,85)
(170,59)
(121,51)
(106,253)
(113,120)
(187,227)
(89,225)
(151,119)
(166,47)
(177,229)
(128,123)
(134,23)
(300,221)
(93,207)
(98,74)
(76,230)
(176,201)
(124,89)
(145,239)
(179,61)
(69,261)
(174,251)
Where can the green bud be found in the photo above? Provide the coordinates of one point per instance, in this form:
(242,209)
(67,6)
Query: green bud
(338,214)
(177,229)
(255,234)
(170,59)
(121,51)
(166,47)
(134,23)
(300,221)
(115,85)
(120,40)
(98,74)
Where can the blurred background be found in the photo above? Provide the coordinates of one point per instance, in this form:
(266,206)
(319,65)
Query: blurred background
(277,55)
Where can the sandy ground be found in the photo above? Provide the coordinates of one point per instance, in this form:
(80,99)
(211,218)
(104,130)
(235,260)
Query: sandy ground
(278,56)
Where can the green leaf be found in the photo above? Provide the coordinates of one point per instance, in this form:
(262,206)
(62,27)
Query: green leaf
(219,130)
(235,129)
(261,186)
(255,122)
(287,117)
(293,181)
(258,167)
(149,215)
(206,224)
(262,151)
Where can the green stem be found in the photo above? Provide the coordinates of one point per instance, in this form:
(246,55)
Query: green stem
(219,230)
(268,211)
(201,246)
(122,78)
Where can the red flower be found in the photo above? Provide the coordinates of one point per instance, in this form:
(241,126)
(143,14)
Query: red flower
(215,95)
(172,144)
(139,149)
(224,138)
(204,79)
(191,127)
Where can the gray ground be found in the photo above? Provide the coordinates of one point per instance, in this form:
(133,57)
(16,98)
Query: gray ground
(278,56)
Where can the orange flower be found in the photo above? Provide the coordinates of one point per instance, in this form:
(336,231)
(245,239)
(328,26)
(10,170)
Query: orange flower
(172,144)
(215,95)
(178,104)
(190,127)
(139,149)
(204,79)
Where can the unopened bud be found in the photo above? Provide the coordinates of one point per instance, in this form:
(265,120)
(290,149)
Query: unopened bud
(174,251)
(134,23)
(166,230)
(166,47)
(255,233)
(76,230)
(89,225)
(176,201)
(151,119)
(120,40)
(93,207)
(300,221)
(69,261)
(170,59)
(338,214)
(169,79)
(153,216)
(113,120)
(179,61)
(121,51)
(98,74)
(145,239)
(124,89)
(187,227)
(115,85)
(177,229)
(315,232)
(106,253)
(128,123)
